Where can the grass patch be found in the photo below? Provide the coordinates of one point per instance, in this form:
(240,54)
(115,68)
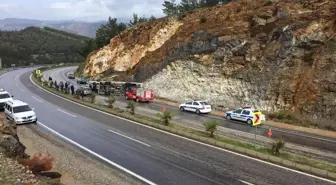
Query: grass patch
(295,119)
(157,123)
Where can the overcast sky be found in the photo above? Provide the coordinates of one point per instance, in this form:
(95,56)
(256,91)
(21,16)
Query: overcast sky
(82,10)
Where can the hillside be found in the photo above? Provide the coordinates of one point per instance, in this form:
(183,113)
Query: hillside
(40,45)
(272,55)
(87,29)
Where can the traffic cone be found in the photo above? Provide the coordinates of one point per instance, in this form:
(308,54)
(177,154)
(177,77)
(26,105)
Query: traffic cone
(269,132)
(163,109)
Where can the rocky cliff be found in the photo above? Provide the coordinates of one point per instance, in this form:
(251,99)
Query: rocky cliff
(272,55)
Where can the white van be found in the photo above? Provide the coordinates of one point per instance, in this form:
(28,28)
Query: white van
(19,112)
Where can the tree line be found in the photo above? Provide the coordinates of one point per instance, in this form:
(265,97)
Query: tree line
(40,46)
(172,8)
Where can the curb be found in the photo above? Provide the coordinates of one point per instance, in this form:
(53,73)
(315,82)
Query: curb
(210,141)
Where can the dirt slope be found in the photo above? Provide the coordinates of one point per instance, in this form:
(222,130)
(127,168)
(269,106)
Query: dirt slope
(273,57)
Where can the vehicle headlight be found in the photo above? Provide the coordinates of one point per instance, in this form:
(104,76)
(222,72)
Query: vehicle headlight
(16,117)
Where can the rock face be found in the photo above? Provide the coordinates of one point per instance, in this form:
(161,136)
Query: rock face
(10,142)
(272,57)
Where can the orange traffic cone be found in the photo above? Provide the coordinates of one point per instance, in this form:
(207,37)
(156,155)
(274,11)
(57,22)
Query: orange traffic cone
(163,109)
(269,132)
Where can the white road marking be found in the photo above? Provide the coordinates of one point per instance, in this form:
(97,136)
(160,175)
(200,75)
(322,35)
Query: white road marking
(211,146)
(37,99)
(246,182)
(129,138)
(67,113)
(99,156)
(22,90)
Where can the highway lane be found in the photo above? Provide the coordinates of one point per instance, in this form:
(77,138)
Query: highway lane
(167,159)
(304,139)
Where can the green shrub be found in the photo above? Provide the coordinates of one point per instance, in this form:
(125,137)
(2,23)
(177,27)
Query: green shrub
(131,107)
(203,19)
(110,101)
(268,3)
(210,126)
(165,117)
(92,98)
(277,146)
(181,16)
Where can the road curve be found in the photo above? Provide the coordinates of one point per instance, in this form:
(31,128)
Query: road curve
(300,138)
(156,156)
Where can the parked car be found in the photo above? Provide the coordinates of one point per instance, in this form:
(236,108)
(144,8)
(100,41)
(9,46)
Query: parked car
(243,114)
(19,112)
(196,106)
(81,81)
(4,97)
(71,76)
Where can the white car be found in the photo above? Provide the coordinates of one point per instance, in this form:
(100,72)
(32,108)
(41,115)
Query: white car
(196,106)
(19,112)
(4,97)
(243,114)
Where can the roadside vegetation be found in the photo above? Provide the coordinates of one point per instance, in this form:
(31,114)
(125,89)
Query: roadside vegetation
(131,107)
(295,119)
(110,101)
(211,126)
(165,117)
(207,136)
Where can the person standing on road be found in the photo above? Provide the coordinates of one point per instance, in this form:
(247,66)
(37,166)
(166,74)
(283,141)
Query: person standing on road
(72,88)
(61,86)
(55,84)
(66,86)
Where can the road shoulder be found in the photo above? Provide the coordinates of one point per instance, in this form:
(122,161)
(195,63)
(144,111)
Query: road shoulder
(76,167)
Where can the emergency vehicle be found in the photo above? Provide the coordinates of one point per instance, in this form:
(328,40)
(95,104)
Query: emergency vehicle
(196,106)
(139,95)
(243,114)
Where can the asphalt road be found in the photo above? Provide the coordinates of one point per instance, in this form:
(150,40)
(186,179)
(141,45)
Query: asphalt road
(156,156)
(300,138)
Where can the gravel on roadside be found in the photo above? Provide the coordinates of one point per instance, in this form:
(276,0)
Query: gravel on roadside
(76,167)
(11,172)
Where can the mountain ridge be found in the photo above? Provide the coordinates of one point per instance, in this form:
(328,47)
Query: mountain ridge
(87,29)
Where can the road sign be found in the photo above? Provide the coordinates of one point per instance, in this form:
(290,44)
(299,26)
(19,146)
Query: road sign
(38,72)
(256,118)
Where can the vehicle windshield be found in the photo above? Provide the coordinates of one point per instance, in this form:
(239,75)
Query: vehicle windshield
(23,108)
(204,103)
(3,96)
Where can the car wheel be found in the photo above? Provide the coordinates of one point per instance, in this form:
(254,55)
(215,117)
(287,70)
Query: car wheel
(198,111)
(228,117)
(249,121)
(182,108)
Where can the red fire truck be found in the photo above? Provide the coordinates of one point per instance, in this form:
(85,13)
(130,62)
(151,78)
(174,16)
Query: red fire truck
(139,95)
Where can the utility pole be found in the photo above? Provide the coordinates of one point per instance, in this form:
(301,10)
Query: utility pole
(0,63)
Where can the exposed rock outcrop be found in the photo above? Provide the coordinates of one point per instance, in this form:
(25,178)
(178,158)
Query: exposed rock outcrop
(273,57)
(10,142)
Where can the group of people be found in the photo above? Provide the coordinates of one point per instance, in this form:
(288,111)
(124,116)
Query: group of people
(64,87)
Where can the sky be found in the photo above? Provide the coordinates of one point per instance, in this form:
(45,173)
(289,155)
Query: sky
(80,10)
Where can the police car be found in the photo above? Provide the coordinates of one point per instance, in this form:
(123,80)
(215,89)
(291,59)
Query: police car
(19,112)
(4,97)
(196,106)
(243,114)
